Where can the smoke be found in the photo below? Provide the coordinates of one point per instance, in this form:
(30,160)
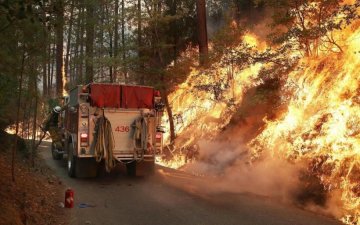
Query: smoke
(228,168)
(332,207)
(225,167)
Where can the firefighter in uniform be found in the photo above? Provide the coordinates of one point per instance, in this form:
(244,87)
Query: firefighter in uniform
(51,124)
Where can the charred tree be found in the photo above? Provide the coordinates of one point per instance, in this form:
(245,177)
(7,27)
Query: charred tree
(79,47)
(44,56)
(34,124)
(202,31)
(49,67)
(13,155)
(116,38)
(123,38)
(174,30)
(59,27)
(90,35)
(170,115)
(44,70)
(68,43)
(139,40)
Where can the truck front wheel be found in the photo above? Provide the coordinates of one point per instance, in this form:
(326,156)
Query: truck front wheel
(131,168)
(80,167)
(55,154)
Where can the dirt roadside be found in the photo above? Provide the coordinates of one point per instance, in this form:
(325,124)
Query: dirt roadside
(35,197)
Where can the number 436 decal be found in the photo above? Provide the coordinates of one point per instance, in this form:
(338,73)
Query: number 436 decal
(122,129)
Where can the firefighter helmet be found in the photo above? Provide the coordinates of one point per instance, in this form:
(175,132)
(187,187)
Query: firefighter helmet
(57,109)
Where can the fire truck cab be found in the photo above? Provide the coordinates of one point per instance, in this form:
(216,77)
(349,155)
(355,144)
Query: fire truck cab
(134,113)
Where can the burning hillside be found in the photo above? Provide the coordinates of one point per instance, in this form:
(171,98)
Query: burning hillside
(322,124)
(319,130)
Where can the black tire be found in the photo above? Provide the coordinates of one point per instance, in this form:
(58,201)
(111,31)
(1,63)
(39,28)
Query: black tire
(151,167)
(145,168)
(55,155)
(131,169)
(101,170)
(71,162)
(80,167)
(86,167)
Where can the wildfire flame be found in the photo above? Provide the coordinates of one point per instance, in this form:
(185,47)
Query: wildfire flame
(322,123)
(203,104)
(64,80)
(321,126)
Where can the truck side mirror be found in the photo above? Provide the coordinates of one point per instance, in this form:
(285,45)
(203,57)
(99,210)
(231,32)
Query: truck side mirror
(159,106)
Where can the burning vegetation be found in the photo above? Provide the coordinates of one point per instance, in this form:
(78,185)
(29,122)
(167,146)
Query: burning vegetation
(309,125)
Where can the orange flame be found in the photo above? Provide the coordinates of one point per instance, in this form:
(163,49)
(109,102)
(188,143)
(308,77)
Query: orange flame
(202,113)
(321,125)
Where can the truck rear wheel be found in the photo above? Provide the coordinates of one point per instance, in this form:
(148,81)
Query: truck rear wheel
(55,155)
(142,168)
(86,167)
(81,167)
(131,169)
(150,167)
(146,168)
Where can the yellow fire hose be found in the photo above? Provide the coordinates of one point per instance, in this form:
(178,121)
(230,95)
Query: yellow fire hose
(140,137)
(104,143)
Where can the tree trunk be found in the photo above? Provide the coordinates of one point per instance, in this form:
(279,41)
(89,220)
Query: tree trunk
(59,46)
(123,40)
(27,118)
(90,25)
(44,71)
(116,37)
(100,51)
(202,31)
(34,125)
(79,47)
(13,155)
(140,55)
(24,107)
(68,43)
(111,43)
(170,115)
(111,49)
(49,69)
(174,30)
(45,58)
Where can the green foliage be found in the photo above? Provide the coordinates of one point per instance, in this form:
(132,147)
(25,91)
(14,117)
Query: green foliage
(249,4)
(20,40)
(309,23)
(7,140)
(7,99)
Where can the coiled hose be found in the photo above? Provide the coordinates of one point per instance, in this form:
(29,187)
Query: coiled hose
(140,137)
(104,143)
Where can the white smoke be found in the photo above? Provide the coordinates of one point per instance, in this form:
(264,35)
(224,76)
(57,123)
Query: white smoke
(228,168)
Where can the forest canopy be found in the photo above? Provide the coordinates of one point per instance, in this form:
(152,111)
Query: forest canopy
(48,46)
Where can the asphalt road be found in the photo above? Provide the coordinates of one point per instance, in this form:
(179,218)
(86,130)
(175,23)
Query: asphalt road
(167,198)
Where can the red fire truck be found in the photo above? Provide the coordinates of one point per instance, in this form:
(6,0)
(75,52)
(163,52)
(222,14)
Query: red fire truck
(106,123)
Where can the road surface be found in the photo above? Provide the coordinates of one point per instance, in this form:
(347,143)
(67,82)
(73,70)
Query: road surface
(122,200)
